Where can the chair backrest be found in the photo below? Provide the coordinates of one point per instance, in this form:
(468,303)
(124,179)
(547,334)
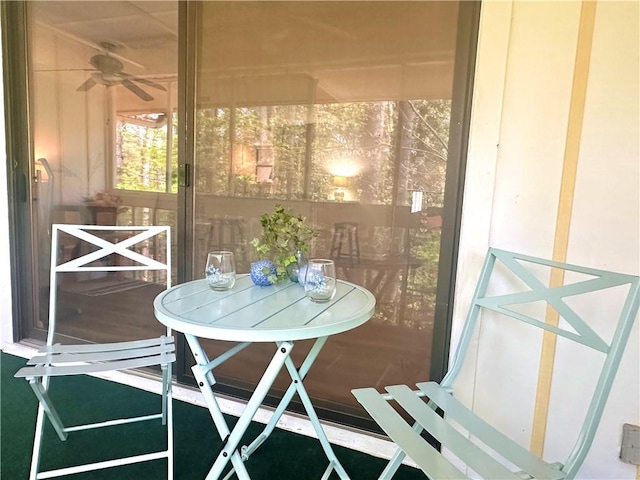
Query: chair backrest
(111,249)
(555,297)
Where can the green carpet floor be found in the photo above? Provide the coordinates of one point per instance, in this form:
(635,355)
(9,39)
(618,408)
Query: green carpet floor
(285,455)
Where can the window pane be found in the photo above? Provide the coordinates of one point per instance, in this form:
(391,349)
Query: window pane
(141,153)
(103,79)
(347,123)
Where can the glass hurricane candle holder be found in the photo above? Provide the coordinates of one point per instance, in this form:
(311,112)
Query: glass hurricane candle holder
(320,280)
(220,271)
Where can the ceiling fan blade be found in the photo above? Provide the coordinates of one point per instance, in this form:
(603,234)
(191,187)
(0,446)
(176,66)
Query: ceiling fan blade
(137,90)
(88,84)
(143,81)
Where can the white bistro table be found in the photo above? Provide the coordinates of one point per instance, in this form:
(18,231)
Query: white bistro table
(246,314)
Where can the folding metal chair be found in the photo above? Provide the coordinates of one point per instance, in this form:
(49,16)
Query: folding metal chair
(576,305)
(63,360)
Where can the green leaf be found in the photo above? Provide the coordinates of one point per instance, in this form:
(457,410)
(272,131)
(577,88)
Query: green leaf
(283,233)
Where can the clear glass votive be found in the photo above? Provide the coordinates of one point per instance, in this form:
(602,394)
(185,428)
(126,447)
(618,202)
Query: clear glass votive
(320,280)
(220,271)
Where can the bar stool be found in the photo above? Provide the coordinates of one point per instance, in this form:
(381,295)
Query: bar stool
(346,232)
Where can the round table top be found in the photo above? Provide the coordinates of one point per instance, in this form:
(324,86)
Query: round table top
(249,313)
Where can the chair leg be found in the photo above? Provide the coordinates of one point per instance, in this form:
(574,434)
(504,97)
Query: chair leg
(167,415)
(165,392)
(397,458)
(393,465)
(355,230)
(169,435)
(45,407)
(45,402)
(351,251)
(37,444)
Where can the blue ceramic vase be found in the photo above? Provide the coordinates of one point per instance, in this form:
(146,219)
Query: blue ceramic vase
(261,271)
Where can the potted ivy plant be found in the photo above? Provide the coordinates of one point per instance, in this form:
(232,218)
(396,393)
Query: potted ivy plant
(282,247)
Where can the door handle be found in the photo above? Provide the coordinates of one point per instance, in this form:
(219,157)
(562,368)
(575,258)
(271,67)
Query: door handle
(21,187)
(184,175)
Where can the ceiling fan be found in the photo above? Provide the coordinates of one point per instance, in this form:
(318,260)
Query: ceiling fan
(110,71)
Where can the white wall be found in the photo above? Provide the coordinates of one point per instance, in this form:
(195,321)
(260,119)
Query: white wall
(523,88)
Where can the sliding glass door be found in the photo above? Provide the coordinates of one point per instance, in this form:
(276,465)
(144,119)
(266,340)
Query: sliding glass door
(205,115)
(102,102)
(340,111)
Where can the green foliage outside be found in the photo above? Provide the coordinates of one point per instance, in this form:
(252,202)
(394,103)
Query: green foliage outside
(141,158)
(391,146)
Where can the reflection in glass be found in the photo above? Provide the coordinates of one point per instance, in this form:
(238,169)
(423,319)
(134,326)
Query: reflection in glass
(103,101)
(340,111)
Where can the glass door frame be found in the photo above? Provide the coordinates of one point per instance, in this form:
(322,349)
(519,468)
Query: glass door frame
(464,73)
(19,148)
(20,153)
(466,45)
(187,16)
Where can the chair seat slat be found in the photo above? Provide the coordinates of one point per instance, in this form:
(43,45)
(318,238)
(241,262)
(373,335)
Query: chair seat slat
(493,438)
(40,371)
(103,347)
(470,453)
(428,458)
(100,356)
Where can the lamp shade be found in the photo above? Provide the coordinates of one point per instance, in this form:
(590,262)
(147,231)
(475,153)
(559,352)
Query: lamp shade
(340,181)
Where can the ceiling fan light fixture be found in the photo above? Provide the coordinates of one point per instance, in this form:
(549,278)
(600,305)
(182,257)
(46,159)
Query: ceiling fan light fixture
(109,72)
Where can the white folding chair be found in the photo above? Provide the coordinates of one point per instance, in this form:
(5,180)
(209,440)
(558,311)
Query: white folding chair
(63,360)
(565,301)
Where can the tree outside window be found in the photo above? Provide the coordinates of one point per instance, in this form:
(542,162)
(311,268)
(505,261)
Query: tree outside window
(143,162)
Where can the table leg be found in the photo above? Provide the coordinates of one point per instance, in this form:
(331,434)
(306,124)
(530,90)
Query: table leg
(297,377)
(205,380)
(286,399)
(315,421)
(230,440)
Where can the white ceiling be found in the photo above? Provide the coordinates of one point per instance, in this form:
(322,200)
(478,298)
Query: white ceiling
(265,52)
(143,34)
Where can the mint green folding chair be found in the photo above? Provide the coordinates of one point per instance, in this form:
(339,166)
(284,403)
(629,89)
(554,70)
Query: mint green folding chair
(511,287)
(113,250)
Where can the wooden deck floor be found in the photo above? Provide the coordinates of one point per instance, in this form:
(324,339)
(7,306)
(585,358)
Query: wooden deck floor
(374,354)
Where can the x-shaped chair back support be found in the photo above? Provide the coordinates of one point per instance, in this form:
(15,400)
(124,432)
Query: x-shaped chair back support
(555,294)
(106,248)
(87,262)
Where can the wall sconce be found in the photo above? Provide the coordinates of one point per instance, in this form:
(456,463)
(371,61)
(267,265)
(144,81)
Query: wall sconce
(339,182)
(43,181)
(42,172)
